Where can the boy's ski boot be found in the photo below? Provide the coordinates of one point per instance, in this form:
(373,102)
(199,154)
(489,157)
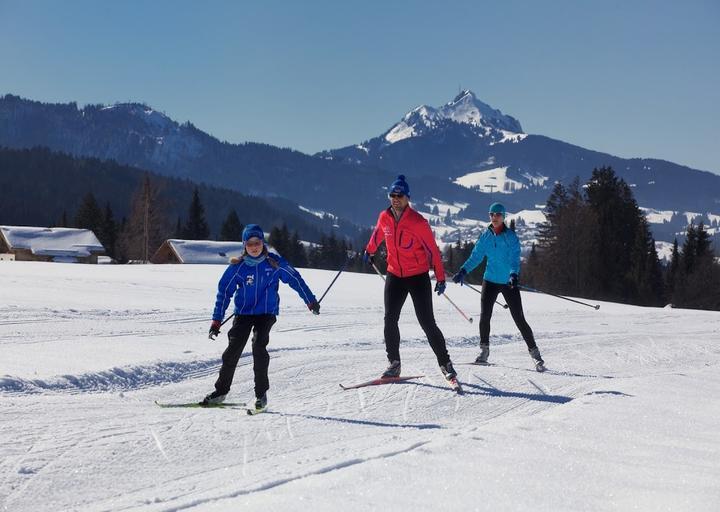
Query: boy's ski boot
(214,398)
(393,370)
(260,405)
(484,353)
(537,359)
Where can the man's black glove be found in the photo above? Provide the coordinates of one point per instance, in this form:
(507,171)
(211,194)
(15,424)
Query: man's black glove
(368,259)
(512,282)
(214,329)
(440,287)
(459,278)
(314,307)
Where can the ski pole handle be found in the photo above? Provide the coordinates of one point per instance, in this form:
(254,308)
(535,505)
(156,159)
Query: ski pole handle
(212,336)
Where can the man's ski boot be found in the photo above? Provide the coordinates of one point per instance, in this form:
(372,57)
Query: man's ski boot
(451,376)
(393,370)
(214,398)
(484,353)
(448,371)
(260,405)
(537,359)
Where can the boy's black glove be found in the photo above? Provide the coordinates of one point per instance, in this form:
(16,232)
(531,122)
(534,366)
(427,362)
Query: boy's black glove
(214,329)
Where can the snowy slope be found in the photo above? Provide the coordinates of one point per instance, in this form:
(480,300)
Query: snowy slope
(625,419)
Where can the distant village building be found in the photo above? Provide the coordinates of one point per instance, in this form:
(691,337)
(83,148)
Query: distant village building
(60,245)
(196,251)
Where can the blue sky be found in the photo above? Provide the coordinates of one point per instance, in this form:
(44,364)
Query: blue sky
(635,78)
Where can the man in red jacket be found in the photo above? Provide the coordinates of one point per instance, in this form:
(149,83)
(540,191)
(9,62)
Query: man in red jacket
(411,252)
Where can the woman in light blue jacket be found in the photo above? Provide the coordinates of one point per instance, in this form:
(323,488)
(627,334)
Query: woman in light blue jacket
(502,248)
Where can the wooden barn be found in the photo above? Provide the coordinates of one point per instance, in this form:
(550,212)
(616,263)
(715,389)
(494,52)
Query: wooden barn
(60,245)
(197,251)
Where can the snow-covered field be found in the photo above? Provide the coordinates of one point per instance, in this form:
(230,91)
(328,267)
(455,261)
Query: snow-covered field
(627,418)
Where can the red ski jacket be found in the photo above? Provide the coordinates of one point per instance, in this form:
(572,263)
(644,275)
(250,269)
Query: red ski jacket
(410,244)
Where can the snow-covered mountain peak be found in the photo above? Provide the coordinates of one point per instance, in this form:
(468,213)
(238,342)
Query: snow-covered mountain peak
(151,117)
(465,108)
(468,109)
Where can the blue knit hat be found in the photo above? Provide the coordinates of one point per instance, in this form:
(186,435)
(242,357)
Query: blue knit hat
(400,186)
(253,231)
(497,208)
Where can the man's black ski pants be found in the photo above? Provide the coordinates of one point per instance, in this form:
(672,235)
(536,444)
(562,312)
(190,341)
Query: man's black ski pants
(420,290)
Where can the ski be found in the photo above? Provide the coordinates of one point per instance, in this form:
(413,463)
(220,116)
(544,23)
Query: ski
(253,412)
(197,405)
(455,385)
(539,367)
(380,381)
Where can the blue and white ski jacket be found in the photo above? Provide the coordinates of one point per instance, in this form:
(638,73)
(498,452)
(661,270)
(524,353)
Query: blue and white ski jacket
(503,255)
(255,287)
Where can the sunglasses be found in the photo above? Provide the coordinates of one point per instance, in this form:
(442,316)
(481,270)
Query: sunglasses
(396,196)
(495,214)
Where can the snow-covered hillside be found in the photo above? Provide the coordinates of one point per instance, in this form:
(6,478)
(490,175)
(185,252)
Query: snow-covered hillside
(626,417)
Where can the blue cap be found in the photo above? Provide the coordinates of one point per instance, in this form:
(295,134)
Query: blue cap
(253,231)
(400,186)
(497,208)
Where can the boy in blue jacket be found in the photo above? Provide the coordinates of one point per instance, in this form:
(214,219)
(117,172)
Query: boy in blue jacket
(253,281)
(502,248)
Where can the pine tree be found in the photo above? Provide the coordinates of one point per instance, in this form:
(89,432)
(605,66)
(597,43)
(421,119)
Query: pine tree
(697,284)
(109,232)
(196,227)
(231,229)
(147,226)
(618,217)
(89,215)
(672,271)
(279,239)
(63,222)
(299,258)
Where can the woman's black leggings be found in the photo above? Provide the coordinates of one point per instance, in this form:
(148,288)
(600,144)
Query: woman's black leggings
(238,335)
(490,293)
(420,290)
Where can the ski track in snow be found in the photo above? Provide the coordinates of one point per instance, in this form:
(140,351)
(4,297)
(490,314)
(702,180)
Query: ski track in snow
(80,430)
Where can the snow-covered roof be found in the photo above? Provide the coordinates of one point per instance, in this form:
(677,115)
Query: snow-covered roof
(205,251)
(66,242)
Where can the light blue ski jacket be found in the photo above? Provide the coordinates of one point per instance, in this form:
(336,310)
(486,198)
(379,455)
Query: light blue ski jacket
(503,255)
(255,287)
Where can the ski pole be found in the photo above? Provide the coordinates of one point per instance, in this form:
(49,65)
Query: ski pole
(377,270)
(458,309)
(333,281)
(448,298)
(228,318)
(476,290)
(596,306)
